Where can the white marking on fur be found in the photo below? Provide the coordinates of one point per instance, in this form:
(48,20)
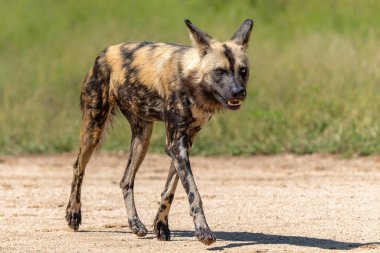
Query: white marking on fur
(182,149)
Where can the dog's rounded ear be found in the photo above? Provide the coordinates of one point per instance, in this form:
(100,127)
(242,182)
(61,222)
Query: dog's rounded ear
(241,37)
(199,39)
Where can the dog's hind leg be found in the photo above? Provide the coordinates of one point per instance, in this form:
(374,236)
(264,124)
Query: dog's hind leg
(141,132)
(96,110)
(161,224)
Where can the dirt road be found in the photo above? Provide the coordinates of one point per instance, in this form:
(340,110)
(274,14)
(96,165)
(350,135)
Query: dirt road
(279,203)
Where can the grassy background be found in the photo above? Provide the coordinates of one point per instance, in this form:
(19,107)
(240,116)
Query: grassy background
(314,85)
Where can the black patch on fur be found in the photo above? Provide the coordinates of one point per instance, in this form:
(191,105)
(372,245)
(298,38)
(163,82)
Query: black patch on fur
(177,120)
(230,57)
(74,219)
(162,207)
(191,197)
(195,210)
(162,231)
(209,97)
(128,56)
(177,45)
(170,198)
(148,104)
(128,53)
(152,47)
(93,96)
(186,184)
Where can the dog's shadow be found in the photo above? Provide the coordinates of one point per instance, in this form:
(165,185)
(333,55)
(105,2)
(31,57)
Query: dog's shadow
(240,239)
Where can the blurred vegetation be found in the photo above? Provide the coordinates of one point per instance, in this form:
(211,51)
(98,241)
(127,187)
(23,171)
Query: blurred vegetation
(314,86)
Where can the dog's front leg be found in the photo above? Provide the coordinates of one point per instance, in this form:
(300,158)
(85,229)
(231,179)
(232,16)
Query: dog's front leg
(178,150)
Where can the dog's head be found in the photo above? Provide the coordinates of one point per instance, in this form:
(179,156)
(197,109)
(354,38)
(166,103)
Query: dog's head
(223,68)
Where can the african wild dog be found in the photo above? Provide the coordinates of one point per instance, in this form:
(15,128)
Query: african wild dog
(180,85)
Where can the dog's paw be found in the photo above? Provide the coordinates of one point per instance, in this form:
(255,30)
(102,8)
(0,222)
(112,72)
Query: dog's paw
(137,227)
(73,218)
(205,236)
(161,230)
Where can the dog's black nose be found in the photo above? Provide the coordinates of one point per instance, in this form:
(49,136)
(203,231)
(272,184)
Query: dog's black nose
(239,92)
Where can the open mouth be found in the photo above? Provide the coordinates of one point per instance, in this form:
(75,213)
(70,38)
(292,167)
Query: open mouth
(233,104)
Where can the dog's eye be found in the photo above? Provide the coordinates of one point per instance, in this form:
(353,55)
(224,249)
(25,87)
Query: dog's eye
(243,71)
(219,71)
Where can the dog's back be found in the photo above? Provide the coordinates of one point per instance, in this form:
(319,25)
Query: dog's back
(140,76)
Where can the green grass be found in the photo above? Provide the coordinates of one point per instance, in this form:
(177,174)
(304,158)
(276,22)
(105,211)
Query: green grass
(314,86)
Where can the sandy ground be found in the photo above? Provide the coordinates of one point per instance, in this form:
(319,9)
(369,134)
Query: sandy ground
(280,203)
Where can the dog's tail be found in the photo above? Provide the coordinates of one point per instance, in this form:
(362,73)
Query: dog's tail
(97,104)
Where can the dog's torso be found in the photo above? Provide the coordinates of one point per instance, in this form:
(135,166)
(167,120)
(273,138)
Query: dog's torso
(151,81)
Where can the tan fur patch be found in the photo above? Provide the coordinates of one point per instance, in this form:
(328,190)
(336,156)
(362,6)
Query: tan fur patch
(156,67)
(115,61)
(201,117)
